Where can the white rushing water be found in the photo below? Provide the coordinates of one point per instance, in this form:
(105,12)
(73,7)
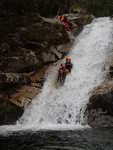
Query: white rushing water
(65,105)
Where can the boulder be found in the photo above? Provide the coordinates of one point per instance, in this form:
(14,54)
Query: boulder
(4,47)
(14,78)
(56,53)
(48,57)
(19,63)
(100,106)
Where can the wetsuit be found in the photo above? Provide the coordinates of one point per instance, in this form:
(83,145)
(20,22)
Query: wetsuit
(62,75)
(69,66)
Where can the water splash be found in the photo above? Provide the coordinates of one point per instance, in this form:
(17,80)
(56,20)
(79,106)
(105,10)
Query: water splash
(66,104)
(64,107)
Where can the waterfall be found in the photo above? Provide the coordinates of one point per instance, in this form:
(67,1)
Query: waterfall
(66,104)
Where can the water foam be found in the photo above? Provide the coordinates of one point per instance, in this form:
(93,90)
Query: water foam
(66,104)
(63,107)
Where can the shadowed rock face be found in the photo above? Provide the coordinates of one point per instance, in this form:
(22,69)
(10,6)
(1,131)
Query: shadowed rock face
(45,8)
(24,49)
(9,113)
(35,42)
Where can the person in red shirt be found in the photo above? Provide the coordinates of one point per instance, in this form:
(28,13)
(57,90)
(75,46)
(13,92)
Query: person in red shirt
(65,23)
(62,73)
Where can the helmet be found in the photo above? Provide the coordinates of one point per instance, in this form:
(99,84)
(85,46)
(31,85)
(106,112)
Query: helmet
(62,18)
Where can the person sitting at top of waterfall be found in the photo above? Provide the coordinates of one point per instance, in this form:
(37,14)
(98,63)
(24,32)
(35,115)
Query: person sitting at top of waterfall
(65,22)
(68,64)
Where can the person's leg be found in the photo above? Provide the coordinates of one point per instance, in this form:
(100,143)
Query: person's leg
(58,79)
(64,77)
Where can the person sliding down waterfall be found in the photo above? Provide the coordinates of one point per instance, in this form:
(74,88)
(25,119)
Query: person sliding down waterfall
(65,23)
(64,70)
(62,74)
(68,64)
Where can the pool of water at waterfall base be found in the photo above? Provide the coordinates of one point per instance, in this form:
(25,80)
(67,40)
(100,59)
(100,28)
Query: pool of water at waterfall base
(85,139)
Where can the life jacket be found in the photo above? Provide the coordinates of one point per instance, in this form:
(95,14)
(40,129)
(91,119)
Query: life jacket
(66,25)
(61,71)
(69,66)
(67,71)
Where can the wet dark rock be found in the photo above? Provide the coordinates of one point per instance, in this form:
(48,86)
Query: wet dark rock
(56,53)
(9,112)
(48,57)
(30,46)
(14,78)
(100,106)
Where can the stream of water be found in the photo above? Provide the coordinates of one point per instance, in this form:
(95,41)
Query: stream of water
(65,105)
(55,119)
